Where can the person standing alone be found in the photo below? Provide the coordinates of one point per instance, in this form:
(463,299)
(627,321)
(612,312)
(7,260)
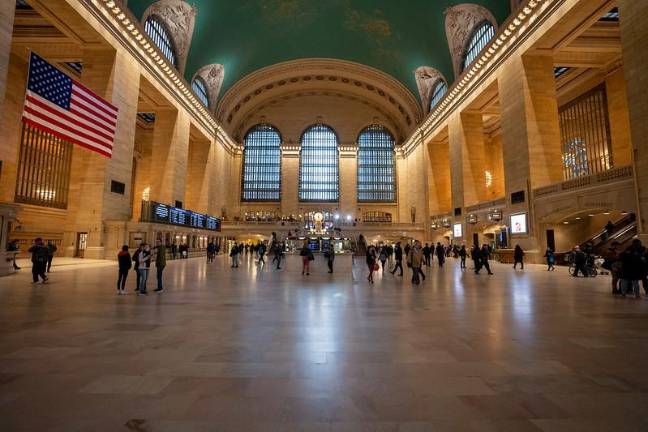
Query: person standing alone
(160,263)
(518,257)
(39,260)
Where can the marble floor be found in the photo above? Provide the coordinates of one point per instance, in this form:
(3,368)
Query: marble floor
(264,350)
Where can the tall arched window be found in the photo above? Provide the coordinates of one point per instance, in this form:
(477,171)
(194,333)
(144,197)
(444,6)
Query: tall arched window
(376,169)
(262,164)
(482,34)
(319,165)
(160,36)
(439,90)
(200,89)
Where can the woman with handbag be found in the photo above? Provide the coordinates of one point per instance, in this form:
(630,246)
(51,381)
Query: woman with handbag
(371,263)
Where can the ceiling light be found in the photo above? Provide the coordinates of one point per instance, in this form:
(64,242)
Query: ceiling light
(590,215)
(566,223)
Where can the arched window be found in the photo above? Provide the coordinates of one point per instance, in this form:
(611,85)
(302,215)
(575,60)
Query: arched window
(200,89)
(319,165)
(439,90)
(262,164)
(376,170)
(482,34)
(160,36)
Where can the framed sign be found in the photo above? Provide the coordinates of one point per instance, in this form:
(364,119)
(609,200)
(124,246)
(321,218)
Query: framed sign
(519,223)
(457,230)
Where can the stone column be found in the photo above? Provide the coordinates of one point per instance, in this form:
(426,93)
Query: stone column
(289,182)
(467,158)
(438,177)
(349,183)
(169,158)
(634,15)
(197,185)
(617,99)
(7,12)
(530,134)
(114,77)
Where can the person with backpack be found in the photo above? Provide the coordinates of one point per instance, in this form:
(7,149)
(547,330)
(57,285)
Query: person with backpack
(382,257)
(39,255)
(261,252)
(51,250)
(518,257)
(125,263)
(307,256)
(463,254)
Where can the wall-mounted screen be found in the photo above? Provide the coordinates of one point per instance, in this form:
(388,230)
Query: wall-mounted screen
(519,223)
(457,230)
(162,213)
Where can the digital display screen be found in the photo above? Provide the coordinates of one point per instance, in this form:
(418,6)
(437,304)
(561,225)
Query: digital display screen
(519,223)
(313,244)
(457,230)
(162,213)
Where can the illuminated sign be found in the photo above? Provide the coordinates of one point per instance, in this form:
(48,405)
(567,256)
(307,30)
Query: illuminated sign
(519,223)
(457,230)
(162,213)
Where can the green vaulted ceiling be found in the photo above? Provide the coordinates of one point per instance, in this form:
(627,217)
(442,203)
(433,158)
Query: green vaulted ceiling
(393,36)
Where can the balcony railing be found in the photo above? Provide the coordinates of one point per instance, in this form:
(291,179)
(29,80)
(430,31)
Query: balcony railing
(615,174)
(499,202)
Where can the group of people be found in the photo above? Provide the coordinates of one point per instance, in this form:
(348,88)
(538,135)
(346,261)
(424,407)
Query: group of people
(628,268)
(141,261)
(42,256)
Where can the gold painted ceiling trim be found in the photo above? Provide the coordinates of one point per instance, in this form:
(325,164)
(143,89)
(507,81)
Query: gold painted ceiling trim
(504,44)
(120,22)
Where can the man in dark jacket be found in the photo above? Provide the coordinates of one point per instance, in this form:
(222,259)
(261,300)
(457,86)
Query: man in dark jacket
(125,263)
(440,253)
(39,260)
(427,254)
(51,250)
(632,268)
(580,259)
(398,256)
(484,257)
(160,263)
(475,255)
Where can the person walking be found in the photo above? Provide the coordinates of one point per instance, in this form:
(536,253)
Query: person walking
(144,260)
(415,259)
(261,252)
(632,268)
(484,255)
(211,252)
(39,254)
(174,250)
(307,256)
(371,263)
(579,258)
(13,247)
(136,256)
(330,257)
(234,253)
(462,255)
(440,253)
(475,255)
(518,257)
(406,249)
(398,257)
(51,250)
(612,264)
(382,257)
(551,259)
(160,263)
(125,263)
(278,254)
(427,254)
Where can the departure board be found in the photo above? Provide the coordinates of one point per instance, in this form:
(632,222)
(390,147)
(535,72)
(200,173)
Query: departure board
(162,213)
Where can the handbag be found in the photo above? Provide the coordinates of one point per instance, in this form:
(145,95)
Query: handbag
(376,267)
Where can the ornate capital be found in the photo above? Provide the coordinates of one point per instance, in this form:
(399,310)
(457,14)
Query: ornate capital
(213,75)
(179,18)
(460,23)
(426,77)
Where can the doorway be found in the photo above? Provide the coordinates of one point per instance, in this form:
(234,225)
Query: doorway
(81,244)
(551,240)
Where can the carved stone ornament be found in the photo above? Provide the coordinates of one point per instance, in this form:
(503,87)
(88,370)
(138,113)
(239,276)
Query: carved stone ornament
(426,78)
(180,19)
(213,75)
(460,22)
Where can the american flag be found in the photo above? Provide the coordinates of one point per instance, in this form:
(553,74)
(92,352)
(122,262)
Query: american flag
(57,104)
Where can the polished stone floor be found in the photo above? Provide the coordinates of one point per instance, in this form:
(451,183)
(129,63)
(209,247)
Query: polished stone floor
(249,350)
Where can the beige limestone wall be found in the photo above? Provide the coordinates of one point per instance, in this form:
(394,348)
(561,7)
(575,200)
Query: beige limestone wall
(7,9)
(197,182)
(348,185)
(617,98)
(494,165)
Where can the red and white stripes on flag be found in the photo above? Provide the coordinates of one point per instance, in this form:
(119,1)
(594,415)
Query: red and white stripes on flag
(60,105)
